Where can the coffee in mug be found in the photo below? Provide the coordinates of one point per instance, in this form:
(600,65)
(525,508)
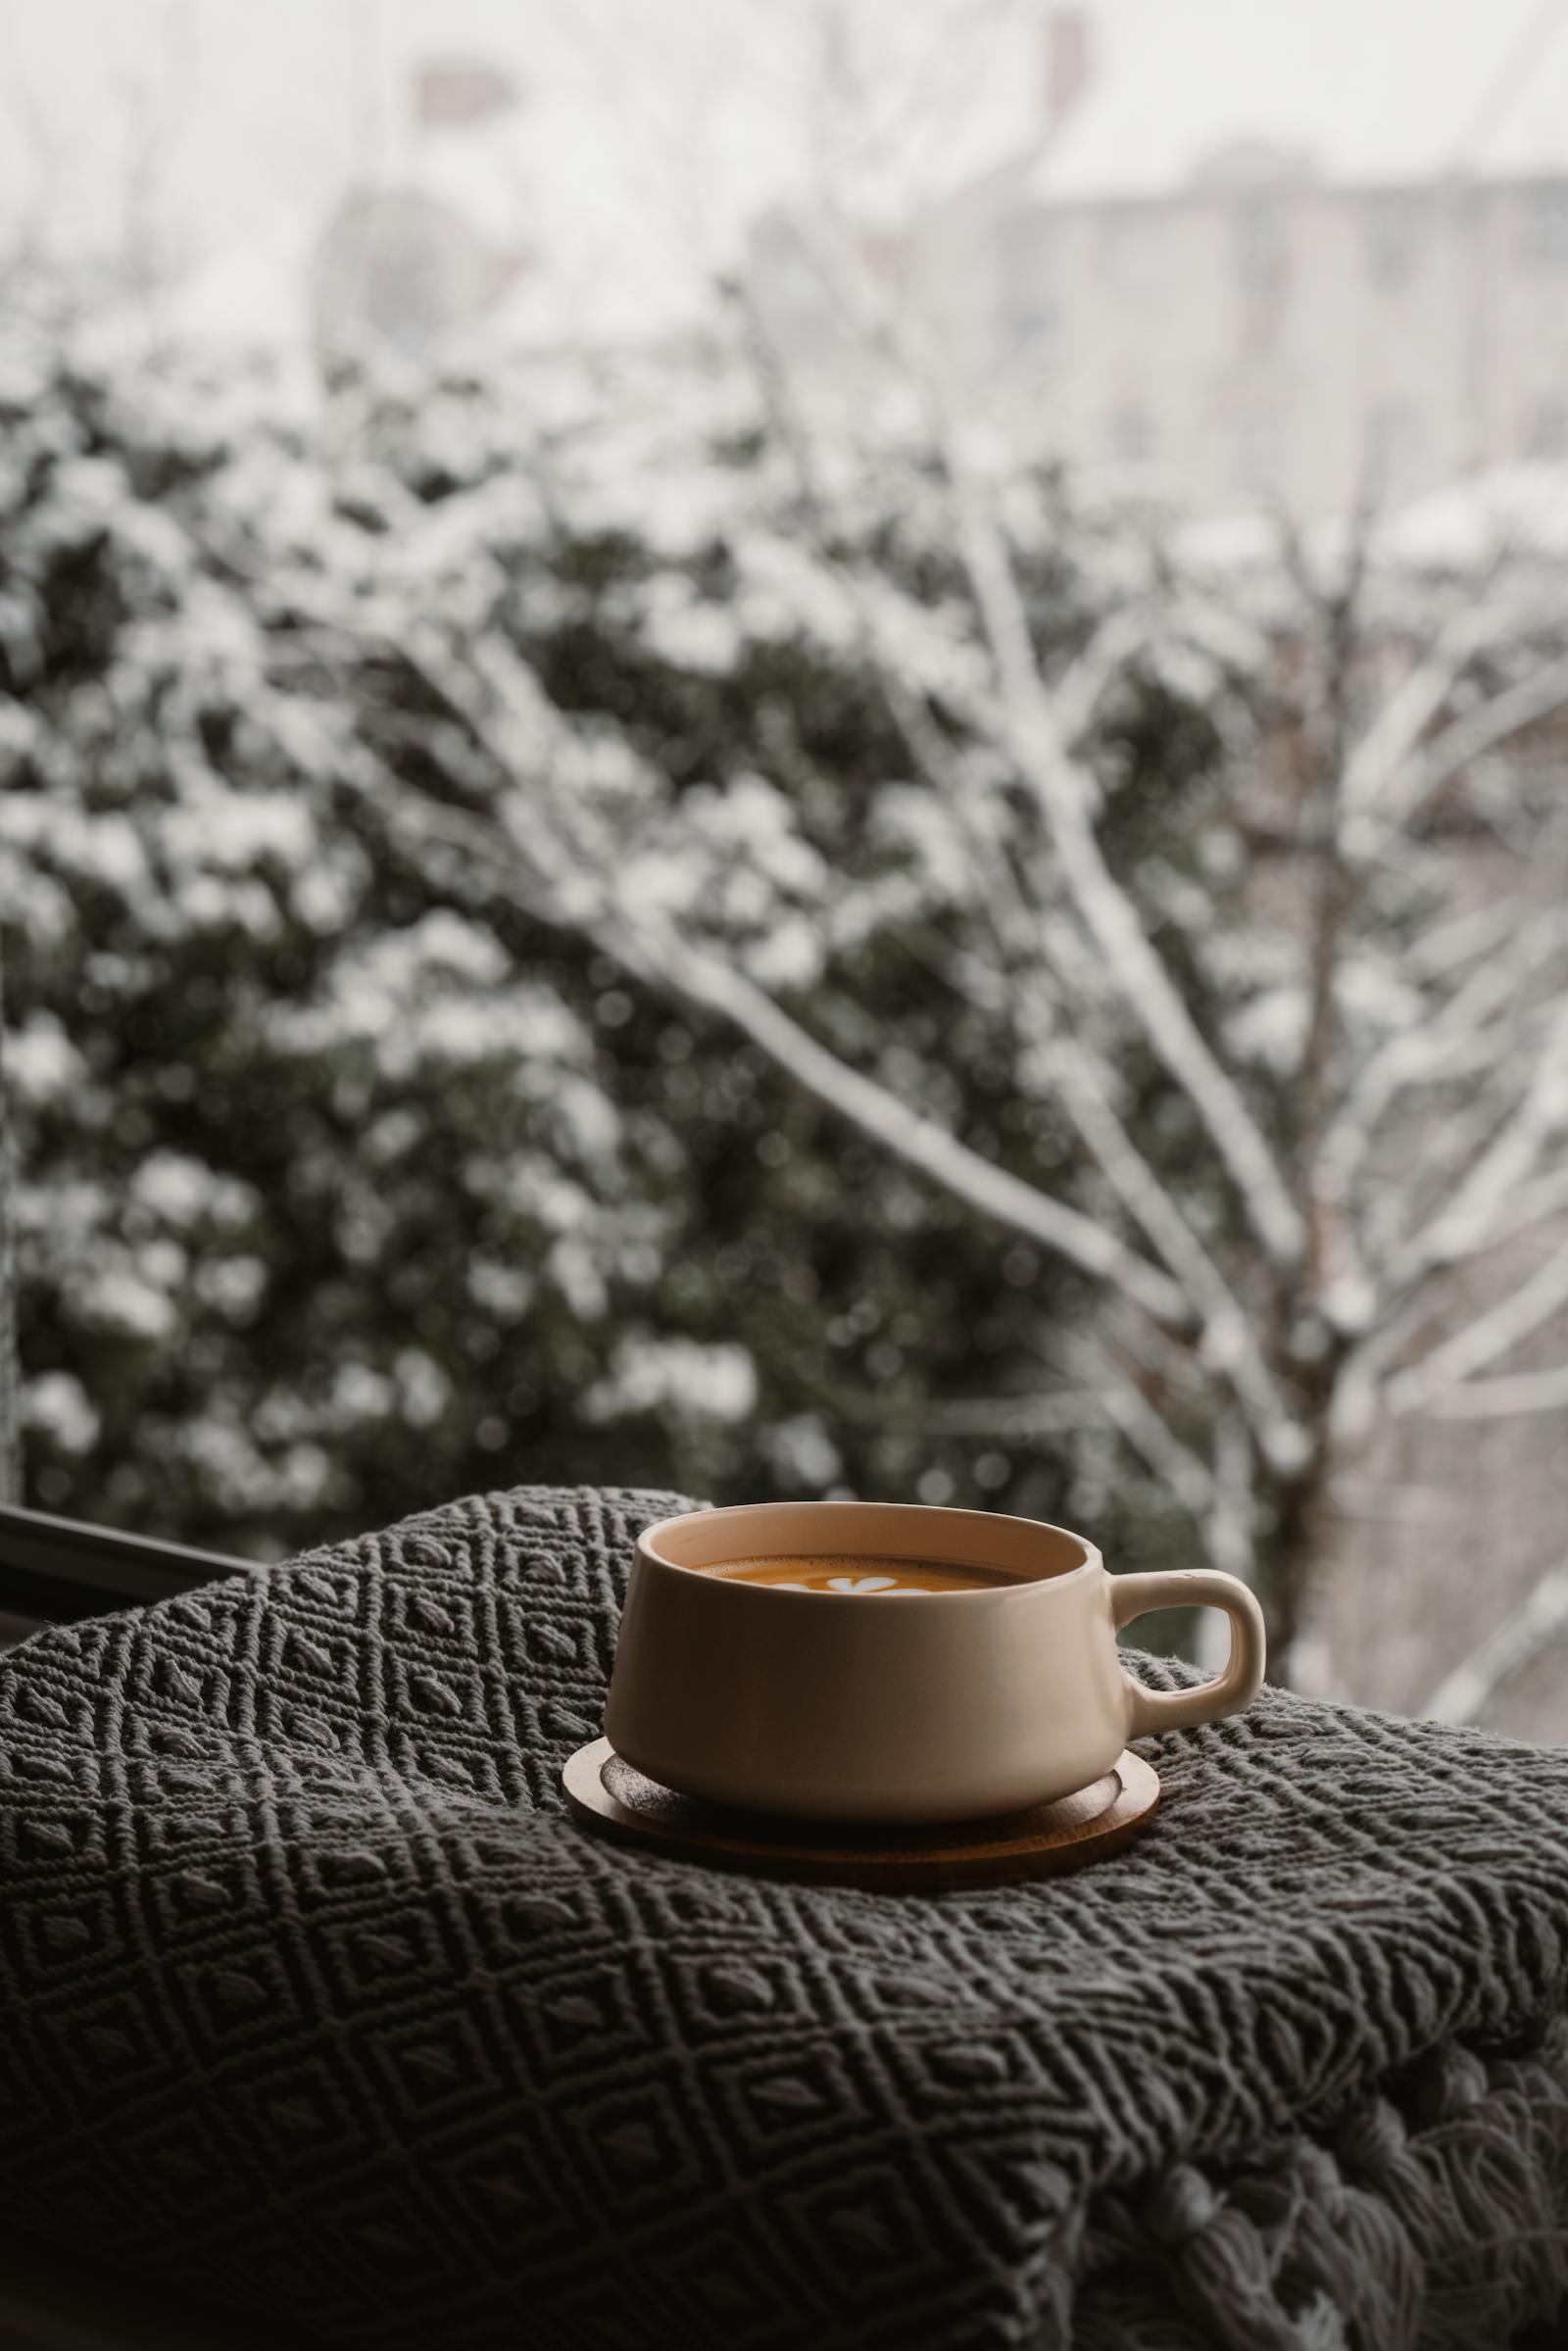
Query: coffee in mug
(858,1572)
(735,1683)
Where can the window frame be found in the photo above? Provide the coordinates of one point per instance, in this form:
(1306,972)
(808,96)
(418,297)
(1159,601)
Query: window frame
(58,1570)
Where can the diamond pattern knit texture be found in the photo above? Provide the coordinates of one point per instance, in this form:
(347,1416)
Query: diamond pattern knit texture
(311,1996)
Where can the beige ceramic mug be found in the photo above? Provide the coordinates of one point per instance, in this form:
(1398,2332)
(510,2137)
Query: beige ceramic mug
(953,1705)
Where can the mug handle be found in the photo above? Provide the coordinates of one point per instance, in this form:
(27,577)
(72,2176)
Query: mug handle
(1194,1588)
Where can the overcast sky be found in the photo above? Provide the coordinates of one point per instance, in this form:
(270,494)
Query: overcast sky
(654,129)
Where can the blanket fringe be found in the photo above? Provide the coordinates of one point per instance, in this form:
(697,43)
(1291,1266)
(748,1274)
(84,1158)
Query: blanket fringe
(1431,2216)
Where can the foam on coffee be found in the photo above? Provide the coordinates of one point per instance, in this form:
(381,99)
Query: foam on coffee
(855,1572)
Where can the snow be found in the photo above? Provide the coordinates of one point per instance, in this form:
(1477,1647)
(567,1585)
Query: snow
(784,594)
(715,1382)
(104,847)
(423,1387)
(935,1486)
(757,812)
(120,1299)
(439,992)
(161,1262)
(505,1293)
(1271,1030)
(56,1404)
(802,1454)
(40,1060)
(580,1112)
(789,956)
(721,900)
(234,1285)
(231,831)
(1517,509)
(1349,1304)
(323,896)
(243,1478)
(537,1189)
(361,1394)
(690,630)
(573,1268)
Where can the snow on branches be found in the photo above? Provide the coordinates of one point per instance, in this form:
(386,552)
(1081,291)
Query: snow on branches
(1185,916)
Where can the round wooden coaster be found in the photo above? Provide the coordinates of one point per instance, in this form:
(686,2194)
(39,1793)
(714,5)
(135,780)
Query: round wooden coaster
(607,1795)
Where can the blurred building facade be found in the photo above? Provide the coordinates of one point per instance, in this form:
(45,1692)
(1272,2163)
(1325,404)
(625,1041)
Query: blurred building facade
(1260,334)
(1248,321)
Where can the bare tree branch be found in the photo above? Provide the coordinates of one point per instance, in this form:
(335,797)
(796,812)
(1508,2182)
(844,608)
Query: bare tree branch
(1541,1619)
(1504,1398)
(1128,1409)
(1230,1343)
(1449,1145)
(1018,1417)
(1065,797)
(1465,1225)
(1229,1536)
(1230,1539)
(1532,1204)
(1515,1317)
(1432,1050)
(1449,944)
(705,980)
(1379,762)
(1465,740)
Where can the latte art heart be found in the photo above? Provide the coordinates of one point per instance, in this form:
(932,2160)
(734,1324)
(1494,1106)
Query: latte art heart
(848,1584)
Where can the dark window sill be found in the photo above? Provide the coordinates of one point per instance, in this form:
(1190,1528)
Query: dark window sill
(54,1570)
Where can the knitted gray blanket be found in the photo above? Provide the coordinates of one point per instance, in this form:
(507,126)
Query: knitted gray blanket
(311,1998)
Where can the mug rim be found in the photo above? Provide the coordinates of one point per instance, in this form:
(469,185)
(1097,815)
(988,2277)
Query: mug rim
(988,1594)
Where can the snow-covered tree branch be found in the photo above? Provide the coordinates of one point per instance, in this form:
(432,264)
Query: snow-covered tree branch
(1463,1693)
(1132,966)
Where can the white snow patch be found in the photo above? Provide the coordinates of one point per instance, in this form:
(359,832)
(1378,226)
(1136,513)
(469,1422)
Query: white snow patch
(690,631)
(57,1403)
(789,956)
(40,1060)
(586,1114)
(119,1300)
(1271,1031)
(234,1285)
(504,1291)
(803,1453)
(180,1189)
(361,1394)
(1350,1304)
(323,896)
(571,1267)
(424,1389)
(214,827)
(700,1383)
